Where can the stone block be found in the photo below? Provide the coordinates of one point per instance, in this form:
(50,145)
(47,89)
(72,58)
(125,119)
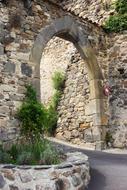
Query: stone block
(84,125)
(96,131)
(95,106)
(100,119)
(4,110)
(1,49)
(88,137)
(9,174)
(26,69)
(9,67)
(2,181)
(96,89)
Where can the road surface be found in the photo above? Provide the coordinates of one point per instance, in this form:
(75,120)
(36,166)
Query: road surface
(108,171)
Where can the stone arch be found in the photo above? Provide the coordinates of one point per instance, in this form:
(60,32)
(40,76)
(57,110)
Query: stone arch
(68,29)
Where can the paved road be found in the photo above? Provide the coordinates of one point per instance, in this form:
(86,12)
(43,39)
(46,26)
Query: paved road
(108,171)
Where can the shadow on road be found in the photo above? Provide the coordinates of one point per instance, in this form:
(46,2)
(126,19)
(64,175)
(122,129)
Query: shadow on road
(96,184)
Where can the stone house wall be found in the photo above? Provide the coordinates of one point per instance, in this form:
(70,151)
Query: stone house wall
(16,40)
(117,56)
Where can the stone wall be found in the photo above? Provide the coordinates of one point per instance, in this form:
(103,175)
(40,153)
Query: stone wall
(74,124)
(118,98)
(95,11)
(18,29)
(70,175)
(55,57)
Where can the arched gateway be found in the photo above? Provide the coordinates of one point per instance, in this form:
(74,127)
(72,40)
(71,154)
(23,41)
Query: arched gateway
(68,29)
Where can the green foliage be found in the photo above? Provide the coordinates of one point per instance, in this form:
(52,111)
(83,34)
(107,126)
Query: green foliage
(121,6)
(51,120)
(30,94)
(35,119)
(50,155)
(117,22)
(41,152)
(58,81)
(52,115)
(56,98)
(32,115)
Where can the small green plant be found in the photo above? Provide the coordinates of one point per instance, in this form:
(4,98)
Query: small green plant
(52,115)
(32,115)
(56,98)
(51,120)
(118,21)
(121,6)
(41,152)
(58,81)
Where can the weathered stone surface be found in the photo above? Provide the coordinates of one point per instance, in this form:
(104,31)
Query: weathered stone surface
(26,70)
(50,178)
(1,49)
(2,181)
(9,175)
(78,110)
(25,177)
(9,67)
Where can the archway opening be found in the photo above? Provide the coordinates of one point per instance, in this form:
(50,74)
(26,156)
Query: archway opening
(68,29)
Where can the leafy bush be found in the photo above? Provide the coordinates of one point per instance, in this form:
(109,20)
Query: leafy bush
(52,115)
(121,6)
(118,22)
(35,119)
(50,155)
(32,115)
(58,81)
(51,120)
(56,98)
(41,152)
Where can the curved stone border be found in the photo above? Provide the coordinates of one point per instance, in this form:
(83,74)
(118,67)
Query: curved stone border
(73,174)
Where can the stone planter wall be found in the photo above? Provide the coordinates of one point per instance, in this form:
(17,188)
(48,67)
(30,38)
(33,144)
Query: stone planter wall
(73,174)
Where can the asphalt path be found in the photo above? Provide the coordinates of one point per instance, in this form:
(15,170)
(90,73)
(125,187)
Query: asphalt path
(108,171)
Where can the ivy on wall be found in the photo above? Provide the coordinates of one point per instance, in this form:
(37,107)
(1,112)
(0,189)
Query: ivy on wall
(118,21)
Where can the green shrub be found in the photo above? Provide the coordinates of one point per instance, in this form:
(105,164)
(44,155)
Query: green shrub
(5,157)
(41,152)
(118,21)
(51,120)
(52,115)
(50,155)
(58,81)
(121,6)
(32,115)
(56,99)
